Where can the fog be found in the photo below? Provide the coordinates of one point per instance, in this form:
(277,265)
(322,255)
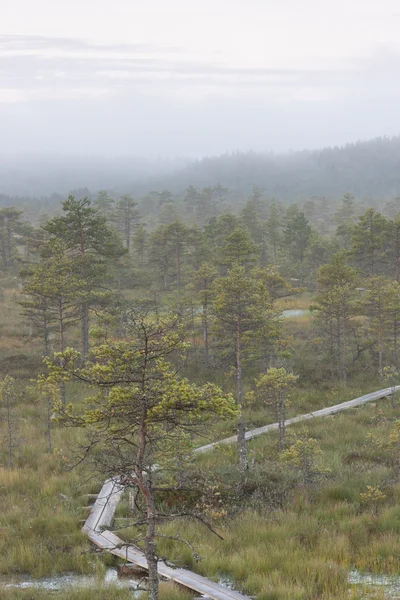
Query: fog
(102,80)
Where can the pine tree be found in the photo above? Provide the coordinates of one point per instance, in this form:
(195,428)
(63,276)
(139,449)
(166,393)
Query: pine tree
(242,314)
(8,399)
(297,236)
(192,202)
(89,243)
(368,241)
(381,305)
(238,248)
(9,224)
(159,255)
(219,194)
(335,305)
(104,204)
(273,228)
(140,243)
(137,424)
(392,243)
(55,291)
(177,237)
(273,388)
(125,217)
(202,283)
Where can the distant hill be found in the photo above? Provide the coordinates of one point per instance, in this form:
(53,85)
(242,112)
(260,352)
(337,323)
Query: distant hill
(366,169)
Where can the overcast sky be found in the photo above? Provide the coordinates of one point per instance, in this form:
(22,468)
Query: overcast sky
(194,78)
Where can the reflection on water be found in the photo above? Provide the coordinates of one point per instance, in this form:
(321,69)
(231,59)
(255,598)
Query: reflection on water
(226,581)
(294,312)
(388,584)
(60,582)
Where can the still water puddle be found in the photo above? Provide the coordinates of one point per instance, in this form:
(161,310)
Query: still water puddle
(387,585)
(368,583)
(61,582)
(294,312)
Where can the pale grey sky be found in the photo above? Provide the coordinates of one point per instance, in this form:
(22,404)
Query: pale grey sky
(180,77)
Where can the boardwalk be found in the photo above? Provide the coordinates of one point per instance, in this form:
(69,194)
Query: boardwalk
(101,516)
(103,510)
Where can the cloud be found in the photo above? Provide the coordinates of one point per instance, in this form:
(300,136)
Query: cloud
(74,95)
(32,63)
(38,67)
(34,43)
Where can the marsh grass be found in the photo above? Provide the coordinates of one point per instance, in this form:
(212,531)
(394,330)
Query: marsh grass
(39,522)
(305,549)
(101,592)
(300,301)
(172,591)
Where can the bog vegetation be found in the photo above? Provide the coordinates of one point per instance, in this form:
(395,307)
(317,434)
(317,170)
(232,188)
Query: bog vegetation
(133,332)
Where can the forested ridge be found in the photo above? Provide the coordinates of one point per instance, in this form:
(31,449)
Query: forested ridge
(368,169)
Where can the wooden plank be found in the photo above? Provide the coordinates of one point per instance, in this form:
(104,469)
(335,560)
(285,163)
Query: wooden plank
(331,410)
(103,509)
(107,540)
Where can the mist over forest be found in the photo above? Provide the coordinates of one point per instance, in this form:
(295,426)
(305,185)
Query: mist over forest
(367,169)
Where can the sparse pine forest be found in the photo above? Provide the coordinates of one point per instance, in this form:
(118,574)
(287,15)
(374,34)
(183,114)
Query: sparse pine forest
(135,329)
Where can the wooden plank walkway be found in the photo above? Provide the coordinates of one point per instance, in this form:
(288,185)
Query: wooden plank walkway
(101,516)
(103,510)
(323,412)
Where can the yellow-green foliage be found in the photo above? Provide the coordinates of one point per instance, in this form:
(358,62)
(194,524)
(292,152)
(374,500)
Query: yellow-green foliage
(373,497)
(100,592)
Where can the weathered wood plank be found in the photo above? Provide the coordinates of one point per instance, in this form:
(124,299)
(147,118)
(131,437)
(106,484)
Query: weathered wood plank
(331,410)
(107,540)
(102,512)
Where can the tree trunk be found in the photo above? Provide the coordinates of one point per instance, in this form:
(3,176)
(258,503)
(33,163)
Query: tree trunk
(61,336)
(331,349)
(4,254)
(380,355)
(241,430)
(194,343)
(344,363)
(49,440)
(9,242)
(143,481)
(205,333)
(150,551)
(128,233)
(85,330)
(46,337)
(9,432)
(395,337)
(178,273)
(281,418)
(339,350)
